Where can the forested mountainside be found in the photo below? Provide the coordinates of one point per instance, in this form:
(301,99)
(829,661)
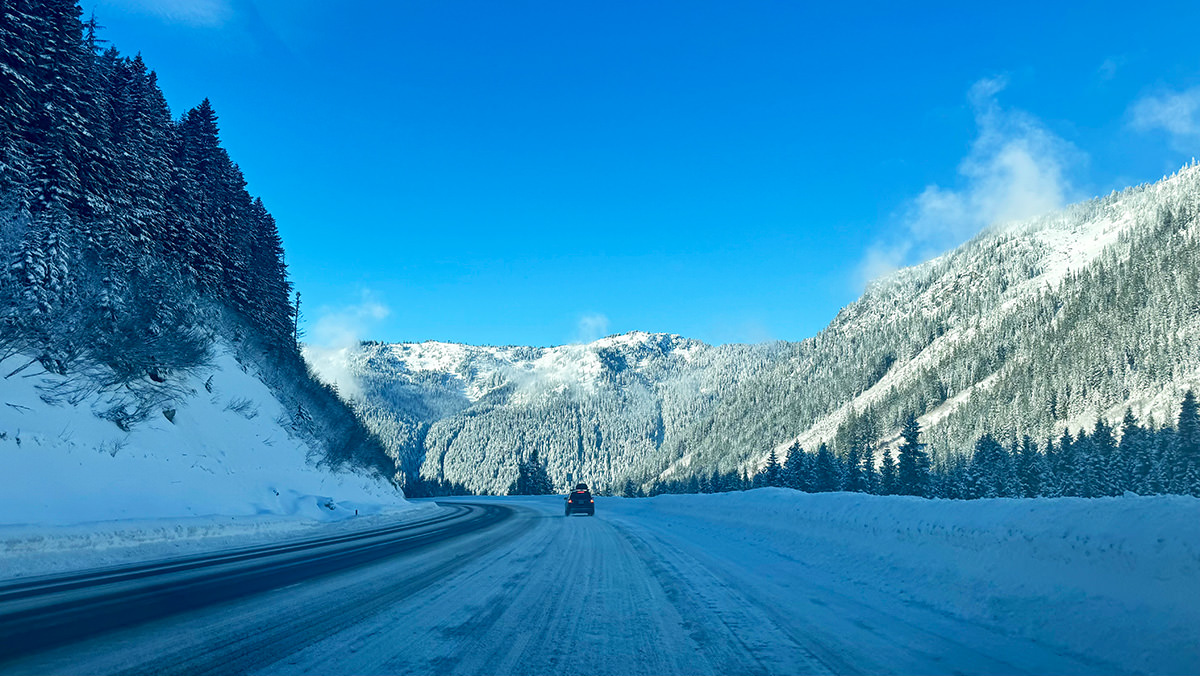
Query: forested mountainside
(467,414)
(129,246)
(1030,328)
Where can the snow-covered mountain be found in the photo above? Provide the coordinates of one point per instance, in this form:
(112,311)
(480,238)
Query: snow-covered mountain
(1026,329)
(468,413)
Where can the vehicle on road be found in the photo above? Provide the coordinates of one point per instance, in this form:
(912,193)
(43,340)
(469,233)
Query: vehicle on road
(581,500)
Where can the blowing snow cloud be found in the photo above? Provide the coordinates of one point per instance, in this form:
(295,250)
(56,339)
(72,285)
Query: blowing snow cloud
(338,332)
(1016,169)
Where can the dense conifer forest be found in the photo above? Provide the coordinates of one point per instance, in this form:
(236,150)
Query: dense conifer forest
(1029,329)
(1101,462)
(130,248)
(1056,329)
(129,244)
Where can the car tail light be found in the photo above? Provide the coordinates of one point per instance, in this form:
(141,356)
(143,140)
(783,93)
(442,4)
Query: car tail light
(591,500)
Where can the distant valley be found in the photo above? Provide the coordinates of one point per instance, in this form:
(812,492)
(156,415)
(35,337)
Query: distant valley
(1029,328)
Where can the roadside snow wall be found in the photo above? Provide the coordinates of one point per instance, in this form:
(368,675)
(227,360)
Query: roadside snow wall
(1115,578)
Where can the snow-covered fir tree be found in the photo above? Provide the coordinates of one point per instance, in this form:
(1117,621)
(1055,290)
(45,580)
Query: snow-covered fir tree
(128,241)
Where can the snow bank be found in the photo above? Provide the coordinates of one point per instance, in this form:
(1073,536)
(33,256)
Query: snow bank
(224,452)
(1113,578)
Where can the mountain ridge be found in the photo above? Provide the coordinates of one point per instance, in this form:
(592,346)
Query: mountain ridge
(1027,328)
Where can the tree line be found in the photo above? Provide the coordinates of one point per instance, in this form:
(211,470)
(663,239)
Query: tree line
(1131,458)
(1103,461)
(121,226)
(128,240)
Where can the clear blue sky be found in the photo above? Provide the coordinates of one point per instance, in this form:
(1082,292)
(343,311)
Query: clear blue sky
(541,172)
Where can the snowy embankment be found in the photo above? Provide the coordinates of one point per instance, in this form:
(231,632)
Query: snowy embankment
(1114,578)
(216,467)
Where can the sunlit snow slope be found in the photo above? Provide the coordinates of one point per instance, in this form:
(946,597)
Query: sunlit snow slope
(227,451)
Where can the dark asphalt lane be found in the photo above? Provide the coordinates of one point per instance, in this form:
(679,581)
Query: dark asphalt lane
(39,614)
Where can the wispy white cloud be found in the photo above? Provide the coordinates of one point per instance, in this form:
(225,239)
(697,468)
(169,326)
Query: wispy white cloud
(1109,67)
(338,332)
(1016,169)
(197,13)
(591,327)
(880,260)
(1176,113)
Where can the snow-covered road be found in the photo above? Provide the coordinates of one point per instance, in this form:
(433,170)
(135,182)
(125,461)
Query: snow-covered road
(655,586)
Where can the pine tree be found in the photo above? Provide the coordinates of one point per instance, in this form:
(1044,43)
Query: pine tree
(1187,447)
(628,489)
(888,473)
(1087,466)
(792,473)
(852,471)
(1067,470)
(1029,469)
(521,483)
(1050,483)
(21,35)
(1162,473)
(1134,459)
(771,471)
(539,479)
(912,466)
(1105,472)
(870,478)
(826,479)
(1008,485)
(983,475)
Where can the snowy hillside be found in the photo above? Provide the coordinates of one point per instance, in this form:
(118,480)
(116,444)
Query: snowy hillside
(530,372)
(1030,328)
(219,444)
(468,414)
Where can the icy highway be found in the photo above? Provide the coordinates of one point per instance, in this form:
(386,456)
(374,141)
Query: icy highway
(503,586)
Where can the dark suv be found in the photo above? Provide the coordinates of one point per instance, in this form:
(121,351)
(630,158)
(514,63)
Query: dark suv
(580,500)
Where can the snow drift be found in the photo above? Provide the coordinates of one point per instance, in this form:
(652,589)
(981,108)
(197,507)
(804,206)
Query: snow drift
(222,450)
(1115,579)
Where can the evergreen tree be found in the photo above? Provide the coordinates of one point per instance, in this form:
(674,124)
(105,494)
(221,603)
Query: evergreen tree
(1087,466)
(853,478)
(539,479)
(1050,483)
(1187,447)
(912,466)
(1134,459)
(982,474)
(1104,449)
(772,470)
(888,473)
(826,473)
(870,478)
(792,473)
(1067,470)
(1029,469)
(128,242)
(1162,473)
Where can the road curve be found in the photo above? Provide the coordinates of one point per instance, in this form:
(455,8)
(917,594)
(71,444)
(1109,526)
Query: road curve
(39,614)
(516,588)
